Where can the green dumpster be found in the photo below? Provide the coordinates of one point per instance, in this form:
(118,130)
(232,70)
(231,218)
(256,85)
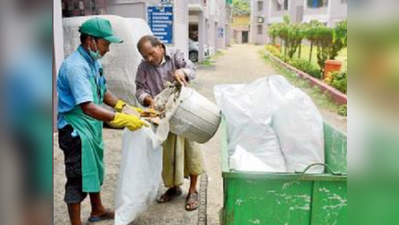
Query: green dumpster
(288,198)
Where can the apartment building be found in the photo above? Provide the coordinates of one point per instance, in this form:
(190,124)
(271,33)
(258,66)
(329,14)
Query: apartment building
(266,12)
(209,24)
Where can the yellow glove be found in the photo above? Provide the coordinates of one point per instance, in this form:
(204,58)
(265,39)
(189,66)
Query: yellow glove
(121,104)
(129,121)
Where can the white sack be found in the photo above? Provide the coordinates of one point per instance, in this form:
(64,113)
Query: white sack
(139,176)
(298,125)
(242,160)
(248,115)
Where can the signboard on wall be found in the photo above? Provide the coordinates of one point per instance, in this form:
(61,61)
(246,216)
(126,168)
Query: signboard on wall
(160,20)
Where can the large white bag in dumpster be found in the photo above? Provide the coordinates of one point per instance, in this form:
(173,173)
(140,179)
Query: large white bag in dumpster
(242,160)
(139,176)
(298,125)
(248,115)
(121,62)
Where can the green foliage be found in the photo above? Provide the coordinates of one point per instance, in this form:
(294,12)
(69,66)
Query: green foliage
(273,50)
(328,41)
(343,110)
(274,30)
(241,8)
(300,64)
(295,34)
(341,33)
(306,67)
(339,81)
(310,34)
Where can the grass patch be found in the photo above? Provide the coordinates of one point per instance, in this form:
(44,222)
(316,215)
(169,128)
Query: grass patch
(207,62)
(320,99)
(305,52)
(210,60)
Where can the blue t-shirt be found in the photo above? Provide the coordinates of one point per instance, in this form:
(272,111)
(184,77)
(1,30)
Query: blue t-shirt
(73,82)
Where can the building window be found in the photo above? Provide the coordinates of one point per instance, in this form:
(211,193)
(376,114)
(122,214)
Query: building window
(260,6)
(317,3)
(260,29)
(280,5)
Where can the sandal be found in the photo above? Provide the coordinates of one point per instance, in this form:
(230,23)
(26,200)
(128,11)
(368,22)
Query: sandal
(169,195)
(108,215)
(192,202)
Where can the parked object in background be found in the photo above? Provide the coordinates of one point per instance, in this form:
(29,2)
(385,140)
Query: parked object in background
(193,50)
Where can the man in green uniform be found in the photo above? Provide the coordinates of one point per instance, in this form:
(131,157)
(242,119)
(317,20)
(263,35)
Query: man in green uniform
(82,90)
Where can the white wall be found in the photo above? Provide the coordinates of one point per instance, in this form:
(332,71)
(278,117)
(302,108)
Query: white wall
(58,34)
(129,10)
(181,21)
(138,9)
(339,12)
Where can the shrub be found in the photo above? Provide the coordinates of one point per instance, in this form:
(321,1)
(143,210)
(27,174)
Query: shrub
(343,110)
(338,80)
(273,50)
(306,67)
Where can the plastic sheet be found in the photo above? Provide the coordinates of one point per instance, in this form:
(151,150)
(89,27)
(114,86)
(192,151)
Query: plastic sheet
(298,125)
(248,114)
(272,120)
(139,176)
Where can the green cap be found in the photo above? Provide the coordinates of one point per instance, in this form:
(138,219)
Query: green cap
(99,28)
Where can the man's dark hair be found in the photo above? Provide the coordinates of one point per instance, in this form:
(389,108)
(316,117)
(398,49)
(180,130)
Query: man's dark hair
(153,40)
(83,38)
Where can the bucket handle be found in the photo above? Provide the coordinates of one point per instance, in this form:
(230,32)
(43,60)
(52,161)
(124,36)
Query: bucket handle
(321,164)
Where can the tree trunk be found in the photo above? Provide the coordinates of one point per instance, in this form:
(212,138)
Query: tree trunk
(300,50)
(311,51)
(285,47)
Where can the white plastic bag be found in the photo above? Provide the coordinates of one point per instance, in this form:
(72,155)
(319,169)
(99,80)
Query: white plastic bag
(298,125)
(139,176)
(248,114)
(242,160)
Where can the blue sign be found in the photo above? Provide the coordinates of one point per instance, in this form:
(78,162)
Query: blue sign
(160,20)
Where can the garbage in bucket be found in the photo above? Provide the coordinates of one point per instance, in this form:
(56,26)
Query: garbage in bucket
(187,113)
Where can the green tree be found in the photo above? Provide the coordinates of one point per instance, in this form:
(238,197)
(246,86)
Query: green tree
(310,34)
(241,7)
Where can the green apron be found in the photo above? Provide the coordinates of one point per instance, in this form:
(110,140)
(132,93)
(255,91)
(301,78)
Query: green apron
(90,133)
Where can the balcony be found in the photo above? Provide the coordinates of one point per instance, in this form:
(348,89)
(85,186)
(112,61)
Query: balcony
(196,5)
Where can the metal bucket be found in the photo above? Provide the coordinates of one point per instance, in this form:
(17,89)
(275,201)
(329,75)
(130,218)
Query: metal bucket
(195,117)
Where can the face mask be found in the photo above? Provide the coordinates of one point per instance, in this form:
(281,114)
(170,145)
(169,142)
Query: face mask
(95,55)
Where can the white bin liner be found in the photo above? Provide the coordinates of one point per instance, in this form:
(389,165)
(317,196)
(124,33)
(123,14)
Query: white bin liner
(248,114)
(242,160)
(298,125)
(139,176)
(273,121)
